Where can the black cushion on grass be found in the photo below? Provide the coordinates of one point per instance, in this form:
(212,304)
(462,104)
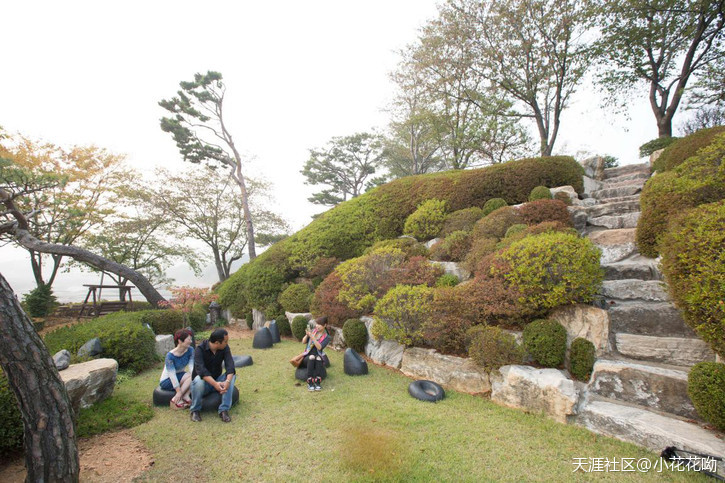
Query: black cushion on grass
(242,361)
(325,359)
(274,330)
(301,373)
(262,339)
(210,402)
(426,391)
(354,364)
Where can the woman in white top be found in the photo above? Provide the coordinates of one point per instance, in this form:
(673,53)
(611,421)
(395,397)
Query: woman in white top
(178,366)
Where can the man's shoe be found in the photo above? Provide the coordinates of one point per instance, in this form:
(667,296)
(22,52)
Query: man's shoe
(225,417)
(195,417)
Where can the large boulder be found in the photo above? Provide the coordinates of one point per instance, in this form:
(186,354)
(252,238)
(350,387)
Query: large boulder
(452,268)
(569,190)
(337,340)
(452,372)
(615,244)
(385,352)
(291,316)
(164,343)
(91,348)
(89,382)
(585,321)
(258,319)
(594,167)
(536,390)
(61,359)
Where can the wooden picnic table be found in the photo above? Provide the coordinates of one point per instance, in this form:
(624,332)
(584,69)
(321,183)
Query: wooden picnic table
(102,308)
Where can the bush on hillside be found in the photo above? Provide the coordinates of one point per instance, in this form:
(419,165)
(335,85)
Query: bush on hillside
(164,321)
(492,347)
(296,298)
(416,271)
(365,279)
(427,221)
(550,269)
(480,249)
(492,205)
(197,317)
(682,149)
(447,334)
(496,223)
(540,193)
(461,220)
(249,319)
(40,301)
(693,263)
(403,311)
(655,145)
(545,340)
(706,388)
(447,280)
(326,301)
(582,355)
(515,230)
(299,327)
(489,301)
(408,245)
(699,180)
(11,423)
(355,334)
(536,212)
(452,248)
(284,328)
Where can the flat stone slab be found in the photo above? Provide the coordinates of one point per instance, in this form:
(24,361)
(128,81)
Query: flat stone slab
(626,220)
(678,351)
(457,373)
(659,388)
(632,289)
(89,382)
(613,208)
(627,169)
(647,429)
(640,267)
(164,343)
(648,318)
(452,268)
(585,321)
(615,244)
(616,192)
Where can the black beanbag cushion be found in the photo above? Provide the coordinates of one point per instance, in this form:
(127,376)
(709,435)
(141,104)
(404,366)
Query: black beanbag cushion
(354,365)
(426,391)
(262,339)
(242,361)
(301,373)
(274,330)
(210,402)
(325,359)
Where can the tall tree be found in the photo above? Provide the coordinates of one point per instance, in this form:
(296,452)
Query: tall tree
(531,50)
(199,129)
(205,208)
(662,44)
(345,165)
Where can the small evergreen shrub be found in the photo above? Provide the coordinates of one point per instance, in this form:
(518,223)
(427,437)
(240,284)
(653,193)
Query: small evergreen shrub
(515,229)
(296,298)
(491,348)
(536,212)
(496,223)
(249,319)
(356,334)
(326,301)
(409,246)
(416,271)
(365,279)
(447,280)
(706,388)
(40,301)
(197,317)
(299,326)
(447,333)
(453,248)
(582,355)
(284,328)
(164,321)
(682,149)
(564,197)
(403,310)
(427,221)
(492,205)
(11,423)
(461,220)
(540,193)
(480,249)
(545,340)
(655,145)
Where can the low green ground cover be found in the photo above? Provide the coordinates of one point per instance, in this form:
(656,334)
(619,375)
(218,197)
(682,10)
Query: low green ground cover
(365,428)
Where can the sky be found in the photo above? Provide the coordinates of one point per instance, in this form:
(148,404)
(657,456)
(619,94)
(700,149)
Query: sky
(296,73)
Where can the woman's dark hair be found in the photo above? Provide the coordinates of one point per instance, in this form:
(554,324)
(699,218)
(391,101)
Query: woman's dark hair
(218,335)
(181,335)
(322,320)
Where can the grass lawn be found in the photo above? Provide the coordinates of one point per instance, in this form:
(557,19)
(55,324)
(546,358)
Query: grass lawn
(364,428)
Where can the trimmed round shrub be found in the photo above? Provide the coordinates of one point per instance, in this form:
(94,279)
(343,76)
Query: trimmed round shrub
(540,193)
(496,223)
(11,423)
(427,221)
(681,149)
(356,334)
(416,271)
(326,301)
(550,269)
(447,333)
(492,205)
(461,220)
(365,279)
(693,263)
(480,249)
(535,212)
(197,317)
(453,248)
(515,229)
(284,328)
(706,388)
(545,340)
(655,145)
(564,197)
(299,326)
(492,347)
(40,301)
(296,298)
(447,280)
(582,355)
(164,321)
(403,310)
(409,246)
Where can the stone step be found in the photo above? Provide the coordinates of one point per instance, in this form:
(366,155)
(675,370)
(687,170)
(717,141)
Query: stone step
(641,176)
(647,429)
(613,208)
(661,319)
(618,199)
(606,193)
(617,183)
(680,351)
(628,169)
(638,267)
(632,289)
(615,244)
(660,388)
(612,222)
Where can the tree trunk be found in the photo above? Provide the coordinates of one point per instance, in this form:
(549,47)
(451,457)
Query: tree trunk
(51,453)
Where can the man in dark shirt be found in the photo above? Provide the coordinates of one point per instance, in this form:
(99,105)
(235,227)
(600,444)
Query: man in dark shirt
(207,375)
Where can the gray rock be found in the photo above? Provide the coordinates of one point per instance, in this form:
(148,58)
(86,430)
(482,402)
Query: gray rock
(61,359)
(626,220)
(616,192)
(385,352)
(451,372)
(648,290)
(569,190)
(648,318)
(641,268)
(89,382)
(579,217)
(258,319)
(337,340)
(536,390)
(616,245)
(585,321)
(432,242)
(626,170)
(671,350)
(591,185)
(91,348)
(455,269)
(291,316)
(594,167)
(613,208)
(653,157)
(164,343)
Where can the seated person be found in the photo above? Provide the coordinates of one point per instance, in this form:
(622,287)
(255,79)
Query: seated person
(208,377)
(316,340)
(178,365)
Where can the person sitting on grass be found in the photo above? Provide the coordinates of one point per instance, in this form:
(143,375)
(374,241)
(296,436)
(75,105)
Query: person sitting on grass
(316,340)
(178,364)
(207,376)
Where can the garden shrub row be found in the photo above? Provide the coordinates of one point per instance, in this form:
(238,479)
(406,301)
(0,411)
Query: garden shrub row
(678,150)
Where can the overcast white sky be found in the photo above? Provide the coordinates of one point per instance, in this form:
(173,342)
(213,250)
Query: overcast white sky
(297,74)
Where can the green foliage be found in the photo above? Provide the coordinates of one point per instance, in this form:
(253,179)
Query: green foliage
(540,193)
(697,181)
(40,301)
(495,224)
(693,263)
(681,150)
(610,162)
(564,197)
(447,280)
(582,355)
(492,347)
(453,248)
(299,325)
(284,328)
(446,331)
(249,319)
(427,221)
(539,211)
(461,220)
(365,279)
(326,301)
(706,388)
(402,311)
(545,340)
(408,245)
(165,321)
(296,298)
(123,337)
(492,205)
(11,423)
(480,249)
(655,145)
(197,317)
(551,269)
(356,334)
(514,230)
(116,412)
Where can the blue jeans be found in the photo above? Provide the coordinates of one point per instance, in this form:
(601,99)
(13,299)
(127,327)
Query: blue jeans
(200,388)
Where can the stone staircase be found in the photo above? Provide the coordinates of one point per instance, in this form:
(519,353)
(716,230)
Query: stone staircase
(638,388)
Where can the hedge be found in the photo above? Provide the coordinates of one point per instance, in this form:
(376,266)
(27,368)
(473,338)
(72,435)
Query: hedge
(296,298)
(11,423)
(681,149)
(706,388)
(545,340)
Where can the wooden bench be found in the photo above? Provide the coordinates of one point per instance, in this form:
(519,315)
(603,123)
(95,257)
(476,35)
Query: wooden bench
(105,308)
